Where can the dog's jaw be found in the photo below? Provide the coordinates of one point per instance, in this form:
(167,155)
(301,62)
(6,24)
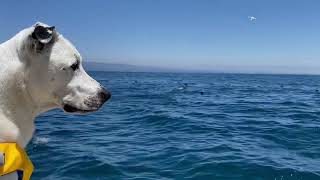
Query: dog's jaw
(71,109)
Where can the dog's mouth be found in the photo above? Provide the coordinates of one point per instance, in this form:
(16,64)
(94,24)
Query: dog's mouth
(72,109)
(92,103)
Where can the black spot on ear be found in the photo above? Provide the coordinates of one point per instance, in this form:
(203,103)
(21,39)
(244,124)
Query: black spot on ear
(33,36)
(51,28)
(43,34)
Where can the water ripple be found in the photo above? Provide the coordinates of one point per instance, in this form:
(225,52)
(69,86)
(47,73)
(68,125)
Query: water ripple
(187,126)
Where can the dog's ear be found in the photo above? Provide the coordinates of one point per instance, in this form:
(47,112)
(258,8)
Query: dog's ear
(43,34)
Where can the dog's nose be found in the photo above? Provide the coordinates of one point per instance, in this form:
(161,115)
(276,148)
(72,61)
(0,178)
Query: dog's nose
(104,95)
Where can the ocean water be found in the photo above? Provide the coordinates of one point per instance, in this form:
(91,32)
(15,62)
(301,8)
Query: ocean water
(187,126)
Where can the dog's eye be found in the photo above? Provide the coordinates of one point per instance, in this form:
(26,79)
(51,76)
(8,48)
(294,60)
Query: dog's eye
(75,66)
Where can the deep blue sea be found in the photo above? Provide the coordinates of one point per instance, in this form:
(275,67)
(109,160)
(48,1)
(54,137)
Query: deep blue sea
(187,126)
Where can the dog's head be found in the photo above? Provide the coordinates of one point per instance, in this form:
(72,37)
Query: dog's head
(55,76)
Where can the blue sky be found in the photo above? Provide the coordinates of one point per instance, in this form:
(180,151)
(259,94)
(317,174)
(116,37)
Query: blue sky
(186,34)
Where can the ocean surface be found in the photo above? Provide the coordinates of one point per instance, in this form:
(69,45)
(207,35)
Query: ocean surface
(187,126)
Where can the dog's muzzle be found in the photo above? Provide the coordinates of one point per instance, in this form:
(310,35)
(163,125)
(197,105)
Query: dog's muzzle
(92,103)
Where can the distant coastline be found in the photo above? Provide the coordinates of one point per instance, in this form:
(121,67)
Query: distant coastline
(113,67)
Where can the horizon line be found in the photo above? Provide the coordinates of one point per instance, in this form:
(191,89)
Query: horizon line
(159,69)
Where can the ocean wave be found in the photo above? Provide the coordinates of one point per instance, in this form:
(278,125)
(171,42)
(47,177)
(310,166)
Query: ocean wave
(241,127)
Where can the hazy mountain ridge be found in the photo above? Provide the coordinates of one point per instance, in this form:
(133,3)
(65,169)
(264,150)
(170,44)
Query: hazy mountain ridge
(99,66)
(113,67)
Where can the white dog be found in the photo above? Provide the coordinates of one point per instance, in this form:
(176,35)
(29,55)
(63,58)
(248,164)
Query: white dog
(41,70)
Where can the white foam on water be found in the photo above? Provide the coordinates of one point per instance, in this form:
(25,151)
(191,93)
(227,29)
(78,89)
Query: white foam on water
(41,140)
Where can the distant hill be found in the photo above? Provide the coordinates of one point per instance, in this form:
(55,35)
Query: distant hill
(98,66)
(111,67)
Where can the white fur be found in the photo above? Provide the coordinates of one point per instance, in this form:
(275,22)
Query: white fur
(33,82)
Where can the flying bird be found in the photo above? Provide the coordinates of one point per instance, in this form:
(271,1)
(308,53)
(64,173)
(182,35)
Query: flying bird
(252,19)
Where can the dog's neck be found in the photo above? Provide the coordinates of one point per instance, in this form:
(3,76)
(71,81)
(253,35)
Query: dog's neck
(17,108)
